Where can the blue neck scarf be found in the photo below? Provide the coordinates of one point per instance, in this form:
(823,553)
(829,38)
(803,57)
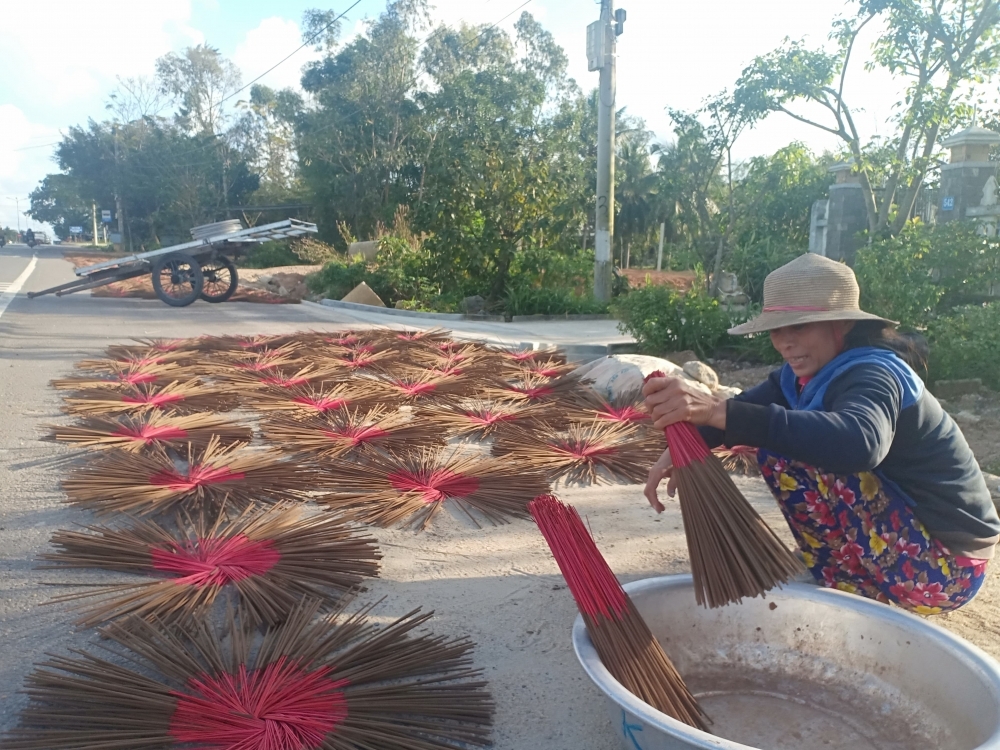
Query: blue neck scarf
(811,396)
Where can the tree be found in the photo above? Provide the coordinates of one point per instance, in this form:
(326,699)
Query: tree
(358,145)
(935,45)
(200,81)
(504,180)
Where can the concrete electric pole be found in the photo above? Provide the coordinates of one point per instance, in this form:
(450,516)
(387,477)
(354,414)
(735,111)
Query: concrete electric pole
(601,36)
(93,218)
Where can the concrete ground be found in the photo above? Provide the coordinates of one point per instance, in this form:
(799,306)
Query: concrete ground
(499,586)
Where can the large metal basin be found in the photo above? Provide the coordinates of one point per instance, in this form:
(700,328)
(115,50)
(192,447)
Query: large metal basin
(806,669)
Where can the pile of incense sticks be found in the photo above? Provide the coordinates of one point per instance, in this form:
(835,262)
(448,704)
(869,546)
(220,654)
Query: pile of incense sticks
(734,554)
(239,472)
(622,639)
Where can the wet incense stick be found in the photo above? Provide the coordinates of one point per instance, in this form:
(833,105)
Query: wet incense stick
(622,639)
(734,554)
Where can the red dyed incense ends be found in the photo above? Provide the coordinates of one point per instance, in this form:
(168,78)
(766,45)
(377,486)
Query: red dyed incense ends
(620,635)
(734,554)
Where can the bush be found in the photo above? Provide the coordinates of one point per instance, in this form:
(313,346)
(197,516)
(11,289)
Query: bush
(966,344)
(662,319)
(270,255)
(926,271)
(529,300)
(753,261)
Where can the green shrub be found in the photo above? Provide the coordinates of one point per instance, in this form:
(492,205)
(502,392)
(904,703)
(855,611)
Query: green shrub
(338,277)
(662,319)
(270,255)
(753,261)
(529,300)
(966,344)
(926,271)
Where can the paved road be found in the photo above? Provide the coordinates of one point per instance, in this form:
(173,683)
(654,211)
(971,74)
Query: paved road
(40,340)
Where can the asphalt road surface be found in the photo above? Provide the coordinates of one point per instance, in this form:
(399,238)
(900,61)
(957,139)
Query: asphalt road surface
(40,339)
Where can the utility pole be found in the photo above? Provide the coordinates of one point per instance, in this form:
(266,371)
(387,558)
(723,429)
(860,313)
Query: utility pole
(118,197)
(93,217)
(601,36)
(659,253)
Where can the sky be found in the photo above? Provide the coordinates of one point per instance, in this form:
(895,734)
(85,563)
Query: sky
(61,57)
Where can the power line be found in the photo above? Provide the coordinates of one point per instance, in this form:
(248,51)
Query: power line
(304,44)
(41,145)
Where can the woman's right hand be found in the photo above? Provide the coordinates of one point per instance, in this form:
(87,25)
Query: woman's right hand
(664,467)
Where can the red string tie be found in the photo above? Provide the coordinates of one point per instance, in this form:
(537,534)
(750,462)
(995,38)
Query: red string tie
(583,450)
(489,418)
(197,476)
(355,434)
(320,404)
(216,562)
(624,414)
(280,707)
(137,378)
(151,433)
(434,486)
(414,389)
(532,393)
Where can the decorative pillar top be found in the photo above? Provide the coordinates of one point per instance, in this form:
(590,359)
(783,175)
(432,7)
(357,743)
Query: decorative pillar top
(972,144)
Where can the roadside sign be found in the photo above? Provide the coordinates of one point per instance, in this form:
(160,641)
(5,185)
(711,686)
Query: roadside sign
(106,216)
(116,239)
(948,203)
(76,230)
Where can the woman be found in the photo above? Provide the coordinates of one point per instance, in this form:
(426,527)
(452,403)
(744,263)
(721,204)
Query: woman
(876,481)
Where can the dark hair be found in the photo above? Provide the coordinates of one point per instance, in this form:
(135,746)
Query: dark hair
(911,346)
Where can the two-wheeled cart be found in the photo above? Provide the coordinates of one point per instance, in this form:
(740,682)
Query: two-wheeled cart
(182,273)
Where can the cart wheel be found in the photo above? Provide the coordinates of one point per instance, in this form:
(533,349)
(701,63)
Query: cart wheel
(177,279)
(220,279)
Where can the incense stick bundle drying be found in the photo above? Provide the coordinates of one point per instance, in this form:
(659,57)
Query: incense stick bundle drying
(139,484)
(410,488)
(622,639)
(734,554)
(187,398)
(150,431)
(336,682)
(740,459)
(272,558)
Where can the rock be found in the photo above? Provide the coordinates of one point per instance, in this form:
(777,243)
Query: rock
(401,304)
(965,418)
(679,358)
(367,250)
(362,294)
(702,373)
(264,278)
(727,391)
(474,305)
(950,389)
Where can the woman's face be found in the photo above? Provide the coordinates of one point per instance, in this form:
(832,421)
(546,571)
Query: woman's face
(807,347)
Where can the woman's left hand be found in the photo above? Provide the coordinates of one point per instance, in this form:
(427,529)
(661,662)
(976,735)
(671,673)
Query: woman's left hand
(673,399)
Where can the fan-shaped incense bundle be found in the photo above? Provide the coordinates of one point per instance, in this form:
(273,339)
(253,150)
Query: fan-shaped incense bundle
(586,453)
(478,418)
(122,375)
(185,398)
(535,388)
(272,558)
(338,433)
(620,635)
(334,682)
(140,485)
(410,488)
(320,398)
(734,554)
(152,429)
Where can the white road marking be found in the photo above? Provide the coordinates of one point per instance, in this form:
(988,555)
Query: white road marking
(7,295)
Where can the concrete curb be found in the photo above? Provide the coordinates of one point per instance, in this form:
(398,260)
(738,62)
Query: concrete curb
(409,313)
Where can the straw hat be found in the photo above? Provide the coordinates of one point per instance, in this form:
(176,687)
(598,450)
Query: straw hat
(809,289)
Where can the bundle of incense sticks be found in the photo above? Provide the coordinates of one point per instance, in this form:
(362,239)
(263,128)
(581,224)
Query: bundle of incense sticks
(622,639)
(734,554)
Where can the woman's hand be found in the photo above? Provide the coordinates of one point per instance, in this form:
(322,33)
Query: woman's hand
(673,399)
(663,467)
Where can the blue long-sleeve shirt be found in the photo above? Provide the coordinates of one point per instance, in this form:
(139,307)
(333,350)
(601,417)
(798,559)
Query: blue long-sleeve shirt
(862,427)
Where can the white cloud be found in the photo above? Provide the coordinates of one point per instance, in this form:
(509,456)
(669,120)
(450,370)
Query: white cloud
(23,157)
(67,50)
(265,45)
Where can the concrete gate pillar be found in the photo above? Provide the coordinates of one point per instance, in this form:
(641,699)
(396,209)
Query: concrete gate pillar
(845,215)
(968,180)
